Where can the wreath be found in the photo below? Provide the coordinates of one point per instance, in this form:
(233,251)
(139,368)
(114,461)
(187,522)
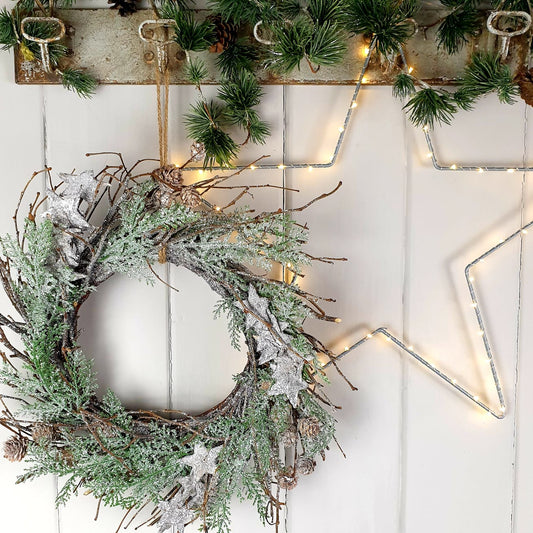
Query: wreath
(188,466)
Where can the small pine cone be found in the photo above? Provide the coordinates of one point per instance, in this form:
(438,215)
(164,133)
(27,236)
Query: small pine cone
(287,479)
(190,197)
(197,151)
(225,34)
(15,448)
(42,432)
(165,197)
(169,175)
(305,466)
(309,427)
(67,456)
(290,437)
(125,7)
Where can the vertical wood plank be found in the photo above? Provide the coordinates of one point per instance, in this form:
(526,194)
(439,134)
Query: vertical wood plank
(364,223)
(21,154)
(458,459)
(124,324)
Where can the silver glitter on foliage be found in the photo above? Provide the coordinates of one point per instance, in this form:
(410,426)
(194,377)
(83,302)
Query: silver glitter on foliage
(288,376)
(202,461)
(174,514)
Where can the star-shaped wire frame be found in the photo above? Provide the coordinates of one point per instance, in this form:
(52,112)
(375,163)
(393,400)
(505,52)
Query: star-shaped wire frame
(174,514)
(499,412)
(202,461)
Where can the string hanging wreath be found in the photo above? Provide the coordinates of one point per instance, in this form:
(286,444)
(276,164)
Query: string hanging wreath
(187,466)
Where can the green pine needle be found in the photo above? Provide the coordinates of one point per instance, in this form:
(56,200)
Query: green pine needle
(8,36)
(80,82)
(328,45)
(241,94)
(290,42)
(190,34)
(204,124)
(247,11)
(429,106)
(322,11)
(196,71)
(486,74)
(385,19)
(238,57)
(457,27)
(404,85)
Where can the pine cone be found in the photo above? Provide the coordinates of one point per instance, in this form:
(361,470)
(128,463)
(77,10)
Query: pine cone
(309,427)
(225,34)
(67,456)
(15,448)
(190,197)
(42,432)
(287,478)
(290,437)
(165,197)
(525,82)
(305,466)
(197,151)
(169,175)
(125,7)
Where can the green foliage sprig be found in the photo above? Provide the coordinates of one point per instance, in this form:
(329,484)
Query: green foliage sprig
(386,20)
(463,22)
(483,75)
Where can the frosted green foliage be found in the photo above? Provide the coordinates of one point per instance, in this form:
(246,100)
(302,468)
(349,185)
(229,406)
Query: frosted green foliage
(131,245)
(37,285)
(310,408)
(235,319)
(50,397)
(245,461)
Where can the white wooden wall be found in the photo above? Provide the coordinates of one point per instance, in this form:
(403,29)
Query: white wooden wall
(419,456)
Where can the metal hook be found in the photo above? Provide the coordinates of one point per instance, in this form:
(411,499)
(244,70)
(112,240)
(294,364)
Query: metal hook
(506,35)
(43,43)
(160,44)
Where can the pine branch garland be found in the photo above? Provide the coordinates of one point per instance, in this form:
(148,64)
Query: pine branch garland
(430,106)
(384,19)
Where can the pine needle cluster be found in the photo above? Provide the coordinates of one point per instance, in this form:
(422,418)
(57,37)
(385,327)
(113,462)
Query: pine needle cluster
(211,122)
(386,20)
(483,75)
(464,21)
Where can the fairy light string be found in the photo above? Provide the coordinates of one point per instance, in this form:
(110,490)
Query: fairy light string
(500,410)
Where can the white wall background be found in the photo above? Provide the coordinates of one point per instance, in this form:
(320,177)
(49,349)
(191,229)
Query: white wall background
(419,456)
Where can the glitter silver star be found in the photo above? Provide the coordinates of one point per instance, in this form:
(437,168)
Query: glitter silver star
(64,212)
(192,490)
(202,461)
(270,343)
(82,186)
(289,381)
(174,514)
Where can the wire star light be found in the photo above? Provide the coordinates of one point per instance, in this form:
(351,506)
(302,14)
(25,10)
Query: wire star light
(498,412)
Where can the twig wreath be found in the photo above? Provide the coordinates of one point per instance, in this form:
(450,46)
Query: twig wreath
(187,467)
